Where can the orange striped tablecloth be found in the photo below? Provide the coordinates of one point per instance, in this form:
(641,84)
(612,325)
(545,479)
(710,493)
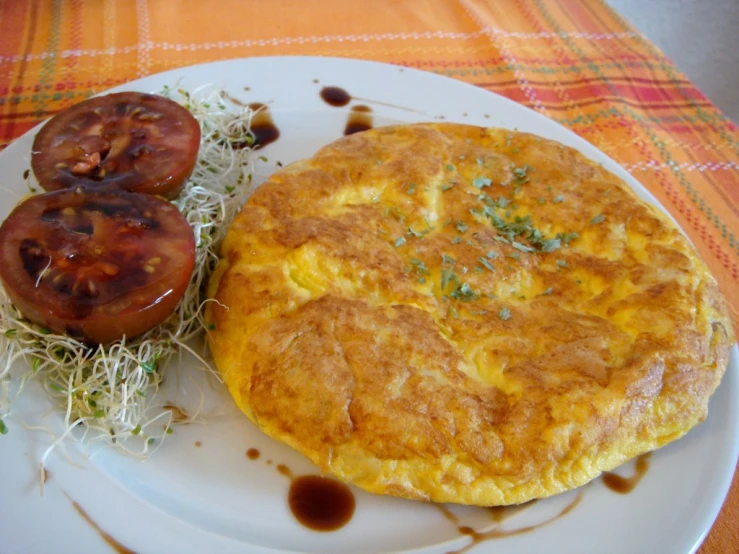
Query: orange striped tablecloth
(576,61)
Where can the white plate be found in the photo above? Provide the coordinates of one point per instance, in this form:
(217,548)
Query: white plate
(187,499)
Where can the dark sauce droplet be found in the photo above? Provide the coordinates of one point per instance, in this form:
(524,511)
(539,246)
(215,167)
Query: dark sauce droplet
(335,96)
(321,504)
(318,503)
(262,127)
(252,454)
(284,470)
(360,119)
(478,537)
(624,485)
(198,444)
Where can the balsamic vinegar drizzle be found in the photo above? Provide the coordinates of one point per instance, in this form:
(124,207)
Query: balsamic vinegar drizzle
(360,119)
(262,127)
(499,514)
(319,503)
(253,454)
(112,542)
(624,485)
(338,98)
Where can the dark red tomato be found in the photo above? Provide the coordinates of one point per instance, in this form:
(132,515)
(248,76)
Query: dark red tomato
(96,265)
(124,141)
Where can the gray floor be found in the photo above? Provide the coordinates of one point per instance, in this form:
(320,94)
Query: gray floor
(701,37)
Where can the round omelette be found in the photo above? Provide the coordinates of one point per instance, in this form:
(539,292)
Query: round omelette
(459,314)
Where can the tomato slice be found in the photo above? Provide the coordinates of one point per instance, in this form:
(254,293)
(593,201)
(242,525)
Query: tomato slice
(125,141)
(96,265)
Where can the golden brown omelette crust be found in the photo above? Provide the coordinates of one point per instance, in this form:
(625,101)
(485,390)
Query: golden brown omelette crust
(460,314)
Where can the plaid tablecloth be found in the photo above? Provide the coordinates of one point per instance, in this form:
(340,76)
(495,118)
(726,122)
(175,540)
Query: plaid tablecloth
(576,61)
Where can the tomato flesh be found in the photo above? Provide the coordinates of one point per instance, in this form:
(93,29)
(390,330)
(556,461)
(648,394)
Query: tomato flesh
(124,141)
(96,266)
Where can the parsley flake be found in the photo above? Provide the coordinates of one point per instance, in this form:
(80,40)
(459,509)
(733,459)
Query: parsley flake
(461,226)
(487,264)
(492,255)
(520,173)
(447,276)
(465,293)
(399,242)
(562,263)
(411,188)
(456,240)
(550,245)
(448,259)
(600,218)
(449,167)
(522,247)
(504,314)
(481,182)
(559,198)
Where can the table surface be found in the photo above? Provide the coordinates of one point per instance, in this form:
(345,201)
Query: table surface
(711,59)
(575,61)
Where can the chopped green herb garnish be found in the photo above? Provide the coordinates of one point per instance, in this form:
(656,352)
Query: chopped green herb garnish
(422,280)
(448,259)
(600,218)
(487,264)
(421,267)
(548,291)
(492,255)
(516,256)
(481,182)
(562,263)
(550,245)
(504,314)
(400,241)
(559,198)
(456,240)
(446,187)
(447,276)
(465,293)
(413,232)
(566,238)
(411,188)
(449,167)
(520,174)
(479,161)
(522,247)
(462,227)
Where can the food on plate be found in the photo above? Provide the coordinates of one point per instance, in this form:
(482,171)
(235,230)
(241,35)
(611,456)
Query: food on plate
(111,389)
(96,266)
(458,314)
(123,141)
